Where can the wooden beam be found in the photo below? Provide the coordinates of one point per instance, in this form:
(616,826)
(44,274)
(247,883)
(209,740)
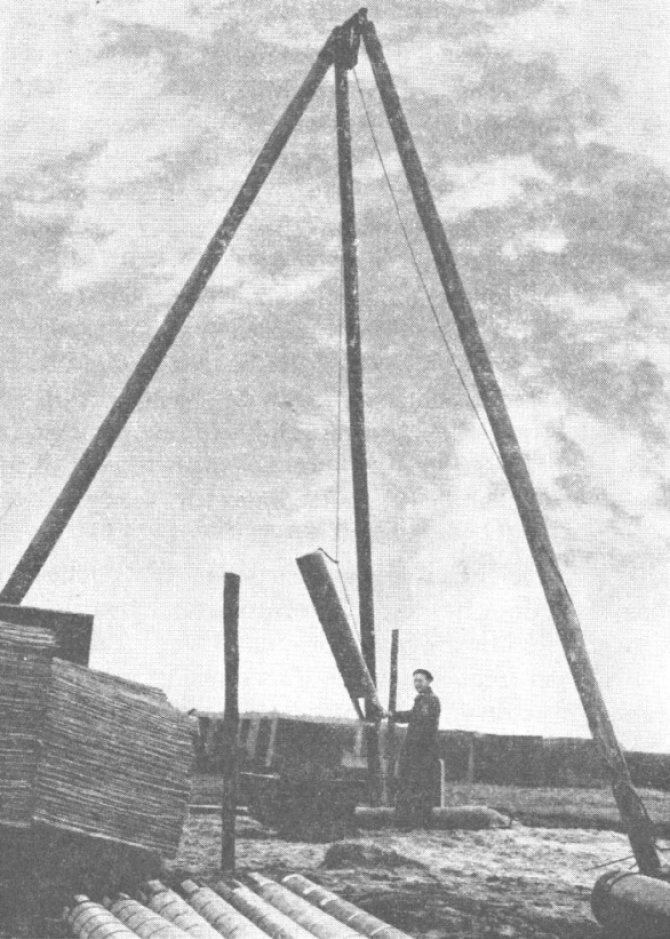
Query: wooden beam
(231,720)
(391,735)
(57,518)
(567,624)
(359,467)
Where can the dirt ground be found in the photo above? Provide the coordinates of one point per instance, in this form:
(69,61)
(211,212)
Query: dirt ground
(522,882)
(518,882)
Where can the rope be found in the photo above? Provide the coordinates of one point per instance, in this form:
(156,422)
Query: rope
(336,562)
(420,276)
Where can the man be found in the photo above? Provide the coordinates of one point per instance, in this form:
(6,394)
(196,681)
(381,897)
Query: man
(418,769)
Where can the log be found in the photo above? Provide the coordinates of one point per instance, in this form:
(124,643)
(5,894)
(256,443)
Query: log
(263,914)
(231,720)
(317,922)
(338,629)
(391,739)
(143,922)
(345,912)
(221,915)
(457,817)
(344,60)
(56,520)
(89,920)
(559,601)
(172,907)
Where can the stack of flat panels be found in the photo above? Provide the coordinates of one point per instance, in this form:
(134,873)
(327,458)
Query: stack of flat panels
(85,752)
(72,631)
(26,655)
(115,761)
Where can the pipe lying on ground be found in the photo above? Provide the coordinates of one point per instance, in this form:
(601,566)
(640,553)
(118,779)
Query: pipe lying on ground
(302,912)
(86,918)
(341,909)
(632,905)
(145,923)
(219,914)
(464,817)
(172,907)
(263,914)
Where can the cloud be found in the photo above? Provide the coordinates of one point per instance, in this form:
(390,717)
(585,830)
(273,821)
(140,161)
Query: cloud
(131,127)
(488,184)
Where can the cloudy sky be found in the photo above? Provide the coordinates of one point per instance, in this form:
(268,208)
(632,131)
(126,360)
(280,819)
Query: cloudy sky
(128,127)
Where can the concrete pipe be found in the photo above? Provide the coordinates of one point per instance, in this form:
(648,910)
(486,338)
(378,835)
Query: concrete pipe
(632,905)
(263,914)
(353,916)
(87,918)
(145,923)
(172,907)
(221,915)
(317,922)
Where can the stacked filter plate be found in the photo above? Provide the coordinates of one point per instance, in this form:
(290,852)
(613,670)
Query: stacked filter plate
(115,760)
(26,656)
(233,911)
(87,753)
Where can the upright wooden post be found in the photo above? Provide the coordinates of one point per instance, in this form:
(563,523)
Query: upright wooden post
(638,824)
(391,738)
(359,467)
(231,719)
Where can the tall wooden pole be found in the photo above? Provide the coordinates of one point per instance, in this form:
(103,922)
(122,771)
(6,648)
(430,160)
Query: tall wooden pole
(84,473)
(231,719)
(639,828)
(357,411)
(391,747)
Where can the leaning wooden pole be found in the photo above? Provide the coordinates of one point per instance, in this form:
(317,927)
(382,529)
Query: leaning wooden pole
(356,405)
(231,719)
(639,827)
(84,473)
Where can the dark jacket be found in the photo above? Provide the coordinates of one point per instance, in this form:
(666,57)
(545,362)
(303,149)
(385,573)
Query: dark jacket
(421,742)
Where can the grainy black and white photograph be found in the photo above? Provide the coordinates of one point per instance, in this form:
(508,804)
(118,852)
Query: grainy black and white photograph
(335,469)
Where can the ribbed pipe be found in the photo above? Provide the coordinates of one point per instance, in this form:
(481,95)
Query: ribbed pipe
(221,915)
(172,907)
(89,920)
(345,912)
(263,914)
(144,922)
(317,922)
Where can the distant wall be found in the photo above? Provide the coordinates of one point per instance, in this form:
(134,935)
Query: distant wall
(272,742)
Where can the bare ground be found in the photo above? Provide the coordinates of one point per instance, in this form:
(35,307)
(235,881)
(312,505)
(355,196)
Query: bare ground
(522,882)
(518,882)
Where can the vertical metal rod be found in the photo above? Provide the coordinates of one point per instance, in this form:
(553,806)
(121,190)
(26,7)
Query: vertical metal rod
(231,719)
(639,828)
(95,454)
(391,736)
(357,412)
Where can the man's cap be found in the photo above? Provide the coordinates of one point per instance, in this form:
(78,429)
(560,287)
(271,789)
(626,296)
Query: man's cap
(423,671)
